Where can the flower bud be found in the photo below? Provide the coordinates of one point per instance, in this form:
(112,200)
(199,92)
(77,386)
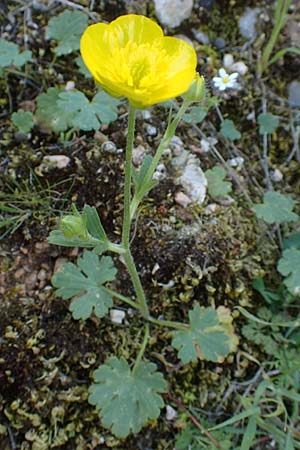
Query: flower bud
(196,91)
(73,226)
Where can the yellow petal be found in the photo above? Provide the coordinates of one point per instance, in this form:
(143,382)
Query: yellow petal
(135,28)
(130,57)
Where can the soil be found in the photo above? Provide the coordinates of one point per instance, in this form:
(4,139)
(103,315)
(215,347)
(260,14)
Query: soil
(47,358)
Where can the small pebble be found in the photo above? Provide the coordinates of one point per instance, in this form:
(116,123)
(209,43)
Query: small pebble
(160,172)
(42,275)
(171,413)
(220,43)
(236,162)
(277,176)
(193,181)
(109,147)
(247,23)
(117,315)
(151,130)
(228,60)
(156,267)
(294,94)
(211,209)
(201,37)
(182,199)
(239,67)
(56,161)
(70,85)
(146,114)
(138,155)
(206,144)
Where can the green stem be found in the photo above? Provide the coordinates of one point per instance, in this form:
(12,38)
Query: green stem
(116,248)
(169,133)
(142,349)
(127,186)
(123,298)
(141,298)
(168,323)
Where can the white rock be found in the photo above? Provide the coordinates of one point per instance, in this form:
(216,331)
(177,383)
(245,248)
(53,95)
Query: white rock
(277,176)
(146,114)
(206,144)
(247,23)
(228,60)
(182,199)
(229,64)
(56,161)
(70,85)
(211,209)
(239,67)
(236,162)
(151,130)
(171,413)
(156,267)
(173,12)
(160,172)
(117,315)
(109,147)
(194,181)
(138,155)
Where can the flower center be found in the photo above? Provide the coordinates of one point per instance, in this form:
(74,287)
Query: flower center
(225,80)
(139,63)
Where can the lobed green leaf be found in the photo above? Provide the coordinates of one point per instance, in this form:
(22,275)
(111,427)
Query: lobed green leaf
(125,398)
(86,282)
(229,131)
(206,338)
(215,179)
(67,28)
(276,208)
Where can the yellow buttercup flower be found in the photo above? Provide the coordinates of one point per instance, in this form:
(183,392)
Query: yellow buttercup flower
(130,57)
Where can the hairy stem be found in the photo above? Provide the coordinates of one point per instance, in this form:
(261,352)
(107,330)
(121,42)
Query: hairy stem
(127,186)
(142,349)
(169,133)
(141,298)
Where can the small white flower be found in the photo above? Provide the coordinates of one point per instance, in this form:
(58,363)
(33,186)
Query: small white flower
(225,81)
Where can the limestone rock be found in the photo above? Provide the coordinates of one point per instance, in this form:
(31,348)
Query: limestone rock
(173,12)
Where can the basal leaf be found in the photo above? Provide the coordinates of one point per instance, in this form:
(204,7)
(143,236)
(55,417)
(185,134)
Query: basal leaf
(208,336)
(216,185)
(267,123)
(23,120)
(88,115)
(105,107)
(67,28)
(292,241)
(289,267)
(127,399)
(276,208)
(11,56)
(49,113)
(82,67)
(84,117)
(86,282)
(229,131)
